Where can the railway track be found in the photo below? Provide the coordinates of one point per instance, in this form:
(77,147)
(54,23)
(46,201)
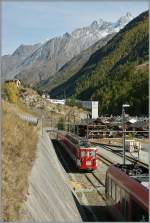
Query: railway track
(119,153)
(91,189)
(105,160)
(92,182)
(97,184)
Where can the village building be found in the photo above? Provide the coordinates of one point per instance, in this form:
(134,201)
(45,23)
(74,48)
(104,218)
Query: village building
(16,81)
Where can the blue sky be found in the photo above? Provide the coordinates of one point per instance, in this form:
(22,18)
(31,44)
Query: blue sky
(30,22)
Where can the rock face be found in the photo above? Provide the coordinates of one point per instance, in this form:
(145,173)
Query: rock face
(55,85)
(45,59)
(11,62)
(49,198)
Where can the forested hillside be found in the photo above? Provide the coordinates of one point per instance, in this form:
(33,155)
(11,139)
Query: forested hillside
(115,78)
(113,75)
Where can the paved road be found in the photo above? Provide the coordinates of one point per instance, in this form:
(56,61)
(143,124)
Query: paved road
(145,146)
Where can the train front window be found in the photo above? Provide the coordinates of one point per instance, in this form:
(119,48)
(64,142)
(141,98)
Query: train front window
(84,144)
(93,153)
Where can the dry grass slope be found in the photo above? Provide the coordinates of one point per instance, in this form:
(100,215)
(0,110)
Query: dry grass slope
(18,153)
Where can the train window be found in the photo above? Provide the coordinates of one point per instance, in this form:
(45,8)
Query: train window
(113,191)
(106,185)
(138,214)
(84,143)
(125,198)
(110,186)
(93,153)
(118,190)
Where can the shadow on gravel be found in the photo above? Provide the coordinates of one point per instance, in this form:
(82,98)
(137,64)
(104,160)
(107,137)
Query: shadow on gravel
(67,163)
(92,213)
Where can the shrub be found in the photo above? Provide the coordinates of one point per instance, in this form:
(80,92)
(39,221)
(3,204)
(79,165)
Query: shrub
(61,124)
(11,92)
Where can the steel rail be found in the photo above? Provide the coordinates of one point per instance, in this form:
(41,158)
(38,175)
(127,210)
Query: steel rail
(120,154)
(129,158)
(96,187)
(104,159)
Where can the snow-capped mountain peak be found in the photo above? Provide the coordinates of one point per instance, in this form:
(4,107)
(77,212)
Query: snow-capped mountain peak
(100,22)
(123,20)
(94,24)
(129,15)
(51,54)
(44,41)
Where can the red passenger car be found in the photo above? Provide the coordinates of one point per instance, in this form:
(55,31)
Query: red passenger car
(79,150)
(127,193)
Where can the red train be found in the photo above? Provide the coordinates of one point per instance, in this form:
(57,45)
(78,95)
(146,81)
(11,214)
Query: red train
(79,150)
(127,193)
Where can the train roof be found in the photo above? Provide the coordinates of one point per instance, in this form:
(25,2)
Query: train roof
(81,141)
(134,183)
(75,136)
(139,173)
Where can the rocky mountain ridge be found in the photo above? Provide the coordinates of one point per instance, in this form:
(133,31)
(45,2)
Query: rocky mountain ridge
(43,60)
(55,84)
(10,62)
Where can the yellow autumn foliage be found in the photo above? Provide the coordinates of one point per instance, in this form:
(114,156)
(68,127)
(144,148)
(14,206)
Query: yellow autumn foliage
(11,92)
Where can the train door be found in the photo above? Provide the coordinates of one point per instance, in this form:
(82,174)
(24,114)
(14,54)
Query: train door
(86,158)
(83,157)
(138,212)
(90,158)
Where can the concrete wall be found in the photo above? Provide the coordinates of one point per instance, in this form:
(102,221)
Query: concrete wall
(49,198)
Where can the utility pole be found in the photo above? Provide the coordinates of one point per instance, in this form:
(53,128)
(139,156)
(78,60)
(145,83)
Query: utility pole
(42,125)
(123,129)
(124,140)
(87,132)
(74,122)
(68,123)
